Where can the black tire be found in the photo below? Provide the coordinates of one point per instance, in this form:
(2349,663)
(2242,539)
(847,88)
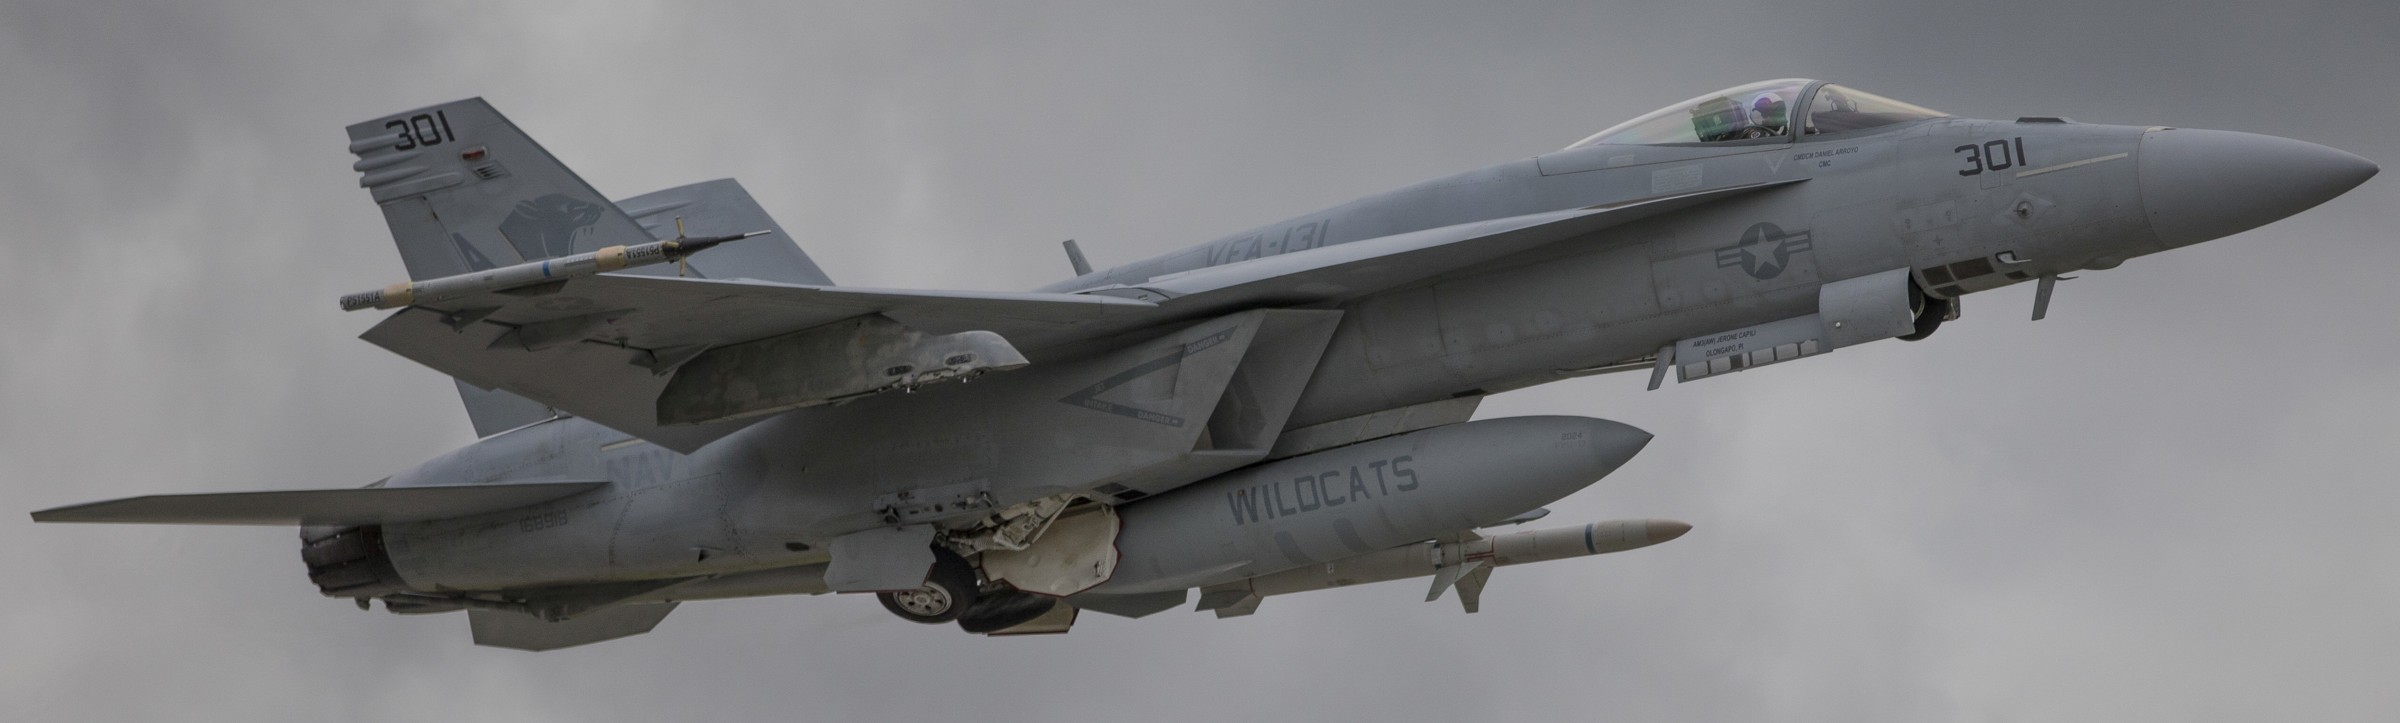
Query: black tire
(1929,318)
(1002,609)
(948,592)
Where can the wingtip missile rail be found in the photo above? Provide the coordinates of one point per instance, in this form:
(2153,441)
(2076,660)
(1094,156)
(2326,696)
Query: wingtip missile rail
(412,293)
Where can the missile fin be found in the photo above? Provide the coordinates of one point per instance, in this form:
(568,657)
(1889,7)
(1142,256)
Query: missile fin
(1449,575)
(1470,587)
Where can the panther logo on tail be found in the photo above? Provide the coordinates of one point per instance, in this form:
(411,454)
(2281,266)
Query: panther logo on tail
(545,227)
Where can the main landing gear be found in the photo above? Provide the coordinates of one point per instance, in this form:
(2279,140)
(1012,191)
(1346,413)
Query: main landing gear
(1931,312)
(947,593)
(951,593)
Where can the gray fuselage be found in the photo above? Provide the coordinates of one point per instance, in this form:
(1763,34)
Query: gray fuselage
(2072,196)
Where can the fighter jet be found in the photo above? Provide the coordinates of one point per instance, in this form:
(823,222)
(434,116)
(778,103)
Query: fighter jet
(676,404)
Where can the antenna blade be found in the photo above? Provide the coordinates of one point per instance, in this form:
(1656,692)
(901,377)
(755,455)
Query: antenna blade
(1075,256)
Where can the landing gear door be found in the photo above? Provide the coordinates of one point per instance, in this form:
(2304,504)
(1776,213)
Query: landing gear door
(881,559)
(1077,553)
(1867,308)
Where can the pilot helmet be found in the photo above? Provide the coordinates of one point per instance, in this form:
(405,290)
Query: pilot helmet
(1768,110)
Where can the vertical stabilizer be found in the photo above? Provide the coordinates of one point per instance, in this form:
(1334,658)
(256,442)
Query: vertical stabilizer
(463,189)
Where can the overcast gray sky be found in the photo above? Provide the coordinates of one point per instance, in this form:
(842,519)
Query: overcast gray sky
(2171,501)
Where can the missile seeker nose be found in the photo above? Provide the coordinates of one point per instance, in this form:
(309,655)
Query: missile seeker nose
(1657,531)
(2201,184)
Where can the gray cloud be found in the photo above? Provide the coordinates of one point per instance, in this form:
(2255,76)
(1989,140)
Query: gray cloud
(2170,501)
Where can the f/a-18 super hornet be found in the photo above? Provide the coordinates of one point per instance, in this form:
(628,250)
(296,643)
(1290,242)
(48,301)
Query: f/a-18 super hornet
(676,404)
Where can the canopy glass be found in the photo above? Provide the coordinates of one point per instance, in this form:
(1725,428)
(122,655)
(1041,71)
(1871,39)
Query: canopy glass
(1760,110)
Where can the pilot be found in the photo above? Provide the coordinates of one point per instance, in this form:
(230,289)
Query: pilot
(1768,116)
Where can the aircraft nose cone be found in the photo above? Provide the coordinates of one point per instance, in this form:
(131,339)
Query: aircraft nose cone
(2200,184)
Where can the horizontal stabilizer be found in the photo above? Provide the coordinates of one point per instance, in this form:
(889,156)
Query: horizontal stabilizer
(519,631)
(364,506)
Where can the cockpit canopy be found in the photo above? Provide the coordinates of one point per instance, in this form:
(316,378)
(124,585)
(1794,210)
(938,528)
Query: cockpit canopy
(1760,110)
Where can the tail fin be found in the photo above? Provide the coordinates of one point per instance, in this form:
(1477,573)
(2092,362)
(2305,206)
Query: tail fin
(463,190)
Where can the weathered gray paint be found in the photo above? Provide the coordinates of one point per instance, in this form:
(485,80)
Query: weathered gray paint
(1483,281)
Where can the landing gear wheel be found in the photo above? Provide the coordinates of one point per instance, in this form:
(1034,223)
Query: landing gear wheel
(1930,318)
(948,591)
(1003,609)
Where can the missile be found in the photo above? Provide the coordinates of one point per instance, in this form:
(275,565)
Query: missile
(1461,561)
(530,273)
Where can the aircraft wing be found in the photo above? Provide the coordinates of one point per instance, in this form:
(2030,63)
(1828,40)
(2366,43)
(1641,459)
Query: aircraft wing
(604,347)
(600,347)
(360,506)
